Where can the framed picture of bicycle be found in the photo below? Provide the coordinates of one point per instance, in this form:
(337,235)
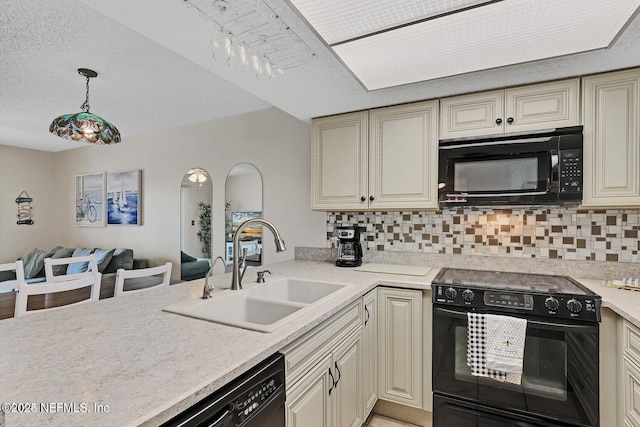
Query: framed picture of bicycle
(123,198)
(90,200)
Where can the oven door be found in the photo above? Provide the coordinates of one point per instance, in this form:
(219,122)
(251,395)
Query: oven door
(488,173)
(560,370)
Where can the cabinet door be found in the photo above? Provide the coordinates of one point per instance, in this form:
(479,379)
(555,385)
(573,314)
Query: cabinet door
(400,346)
(631,388)
(309,403)
(611,139)
(472,115)
(542,106)
(403,156)
(370,350)
(339,162)
(348,371)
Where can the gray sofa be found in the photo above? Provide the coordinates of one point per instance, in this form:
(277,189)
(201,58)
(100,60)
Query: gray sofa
(112,260)
(109,261)
(191,268)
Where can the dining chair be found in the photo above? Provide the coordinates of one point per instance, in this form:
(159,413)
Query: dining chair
(50,263)
(11,285)
(47,288)
(151,276)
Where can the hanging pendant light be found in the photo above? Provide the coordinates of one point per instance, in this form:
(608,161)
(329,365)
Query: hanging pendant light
(85,126)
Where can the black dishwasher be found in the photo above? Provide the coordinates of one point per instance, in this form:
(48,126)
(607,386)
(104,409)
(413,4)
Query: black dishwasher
(254,399)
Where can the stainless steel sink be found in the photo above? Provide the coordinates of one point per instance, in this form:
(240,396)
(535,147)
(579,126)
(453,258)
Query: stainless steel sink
(263,308)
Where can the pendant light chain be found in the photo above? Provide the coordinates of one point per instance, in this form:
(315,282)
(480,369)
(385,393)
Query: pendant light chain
(85,107)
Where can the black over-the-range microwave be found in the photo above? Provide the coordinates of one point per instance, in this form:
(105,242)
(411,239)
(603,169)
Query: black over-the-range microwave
(542,168)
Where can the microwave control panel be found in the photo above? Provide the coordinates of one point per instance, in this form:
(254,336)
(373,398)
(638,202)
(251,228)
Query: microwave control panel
(571,171)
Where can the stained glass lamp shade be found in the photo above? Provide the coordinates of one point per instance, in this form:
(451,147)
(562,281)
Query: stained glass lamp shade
(85,126)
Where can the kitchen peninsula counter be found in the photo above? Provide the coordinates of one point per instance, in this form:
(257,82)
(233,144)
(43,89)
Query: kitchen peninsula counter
(123,361)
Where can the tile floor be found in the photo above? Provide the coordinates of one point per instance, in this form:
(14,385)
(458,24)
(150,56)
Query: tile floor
(380,421)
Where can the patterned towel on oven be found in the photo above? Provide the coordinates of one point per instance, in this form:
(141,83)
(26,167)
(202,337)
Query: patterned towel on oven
(495,346)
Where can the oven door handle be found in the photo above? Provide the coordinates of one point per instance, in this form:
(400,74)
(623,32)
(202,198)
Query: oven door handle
(555,325)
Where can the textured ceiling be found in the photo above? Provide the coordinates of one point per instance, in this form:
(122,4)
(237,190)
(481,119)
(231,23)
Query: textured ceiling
(156,70)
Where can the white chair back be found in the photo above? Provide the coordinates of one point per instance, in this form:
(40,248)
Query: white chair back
(122,274)
(51,288)
(50,262)
(11,285)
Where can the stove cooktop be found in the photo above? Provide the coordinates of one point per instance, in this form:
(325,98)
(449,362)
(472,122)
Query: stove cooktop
(532,294)
(533,283)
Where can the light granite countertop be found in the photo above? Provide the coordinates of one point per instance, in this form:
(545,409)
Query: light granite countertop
(146,365)
(143,364)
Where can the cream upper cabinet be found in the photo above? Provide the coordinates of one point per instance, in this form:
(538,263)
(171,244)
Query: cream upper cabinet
(403,156)
(382,159)
(540,106)
(400,364)
(471,115)
(611,140)
(339,165)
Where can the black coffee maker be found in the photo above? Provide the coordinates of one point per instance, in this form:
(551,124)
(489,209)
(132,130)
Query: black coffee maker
(349,248)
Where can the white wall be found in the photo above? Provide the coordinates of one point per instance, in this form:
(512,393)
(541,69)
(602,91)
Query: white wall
(191,196)
(276,143)
(33,171)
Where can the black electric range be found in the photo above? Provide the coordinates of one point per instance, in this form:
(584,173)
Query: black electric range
(535,294)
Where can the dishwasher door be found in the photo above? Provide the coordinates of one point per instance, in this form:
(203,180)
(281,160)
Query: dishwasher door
(254,399)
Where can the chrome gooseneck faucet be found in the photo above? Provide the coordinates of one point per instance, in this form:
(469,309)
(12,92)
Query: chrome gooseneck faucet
(239,257)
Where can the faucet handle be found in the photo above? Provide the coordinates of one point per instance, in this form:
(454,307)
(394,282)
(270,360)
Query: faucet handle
(260,278)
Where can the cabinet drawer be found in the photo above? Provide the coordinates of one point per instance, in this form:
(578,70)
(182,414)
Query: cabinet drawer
(307,351)
(631,342)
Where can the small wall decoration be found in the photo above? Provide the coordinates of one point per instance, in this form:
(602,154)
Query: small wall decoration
(25,210)
(90,200)
(123,198)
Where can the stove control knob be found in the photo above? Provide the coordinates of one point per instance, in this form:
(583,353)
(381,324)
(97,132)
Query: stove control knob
(450,293)
(551,303)
(574,306)
(467,295)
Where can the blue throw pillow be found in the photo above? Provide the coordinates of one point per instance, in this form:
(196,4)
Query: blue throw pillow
(79,267)
(103,258)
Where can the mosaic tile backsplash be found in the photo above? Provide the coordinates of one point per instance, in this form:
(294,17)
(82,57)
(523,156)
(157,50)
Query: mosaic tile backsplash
(551,233)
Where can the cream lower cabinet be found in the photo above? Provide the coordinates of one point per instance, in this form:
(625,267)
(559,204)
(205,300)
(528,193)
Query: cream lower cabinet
(400,339)
(324,374)
(370,350)
(540,106)
(629,387)
(379,159)
(612,139)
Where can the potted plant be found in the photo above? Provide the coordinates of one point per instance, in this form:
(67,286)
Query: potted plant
(204,221)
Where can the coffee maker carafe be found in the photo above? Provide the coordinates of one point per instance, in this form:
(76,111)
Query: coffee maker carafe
(349,248)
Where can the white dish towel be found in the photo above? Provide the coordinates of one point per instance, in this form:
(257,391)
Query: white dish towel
(495,346)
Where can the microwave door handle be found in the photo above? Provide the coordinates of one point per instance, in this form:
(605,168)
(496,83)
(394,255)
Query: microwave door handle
(553,164)
(528,193)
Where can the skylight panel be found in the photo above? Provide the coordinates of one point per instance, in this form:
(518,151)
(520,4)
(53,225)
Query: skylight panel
(494,35)
(340,20)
